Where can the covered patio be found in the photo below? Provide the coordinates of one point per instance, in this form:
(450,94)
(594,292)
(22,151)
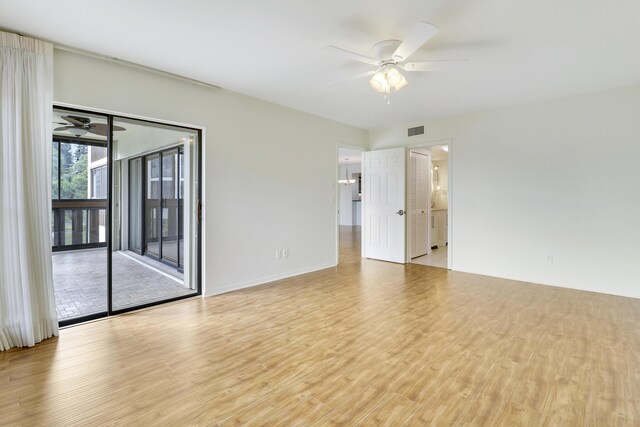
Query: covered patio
(80,280)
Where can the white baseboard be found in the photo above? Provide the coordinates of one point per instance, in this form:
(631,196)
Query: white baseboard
(534,281)
(267,279)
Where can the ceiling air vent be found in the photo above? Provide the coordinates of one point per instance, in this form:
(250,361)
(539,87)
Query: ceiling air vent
(418,130)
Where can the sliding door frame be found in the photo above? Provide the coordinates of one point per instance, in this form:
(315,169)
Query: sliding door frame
(109,214)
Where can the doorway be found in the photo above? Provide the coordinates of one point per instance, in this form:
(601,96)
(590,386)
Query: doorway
(125,229)
(349,196)
(428,183)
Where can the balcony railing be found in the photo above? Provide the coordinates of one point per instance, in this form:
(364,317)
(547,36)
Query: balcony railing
(78,224)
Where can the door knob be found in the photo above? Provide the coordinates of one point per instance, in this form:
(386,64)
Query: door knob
(400,212)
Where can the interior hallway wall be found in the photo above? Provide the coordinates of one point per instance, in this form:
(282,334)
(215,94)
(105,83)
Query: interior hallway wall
(567,190)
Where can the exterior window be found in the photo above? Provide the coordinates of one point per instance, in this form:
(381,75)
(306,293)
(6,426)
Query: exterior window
(99,182)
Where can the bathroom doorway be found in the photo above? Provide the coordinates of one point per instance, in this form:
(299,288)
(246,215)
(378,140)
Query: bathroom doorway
(428,203)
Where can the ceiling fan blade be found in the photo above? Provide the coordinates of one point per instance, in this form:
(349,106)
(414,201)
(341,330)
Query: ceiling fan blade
(101,128)
(63,128)
(357,76)
(355,56)
(77,120)
(420,34)
(443,65)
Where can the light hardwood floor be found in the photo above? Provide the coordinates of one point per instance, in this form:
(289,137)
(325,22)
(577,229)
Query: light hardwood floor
(368,343)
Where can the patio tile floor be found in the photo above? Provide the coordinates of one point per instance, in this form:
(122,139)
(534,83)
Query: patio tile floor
(80,281)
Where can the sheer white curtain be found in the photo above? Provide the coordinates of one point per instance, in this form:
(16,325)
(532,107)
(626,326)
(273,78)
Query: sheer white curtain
(27,302)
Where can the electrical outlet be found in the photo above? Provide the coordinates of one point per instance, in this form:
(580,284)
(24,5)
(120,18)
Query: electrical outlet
(278,254)
(550,259)
(285,253)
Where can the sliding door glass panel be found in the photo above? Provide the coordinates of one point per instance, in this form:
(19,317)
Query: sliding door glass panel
(153,159)
(78,216)
(170,207)
(180,208)
(152,206)
(135,205)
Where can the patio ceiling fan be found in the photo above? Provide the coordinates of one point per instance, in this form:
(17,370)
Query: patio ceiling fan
(392,55)
(80,126)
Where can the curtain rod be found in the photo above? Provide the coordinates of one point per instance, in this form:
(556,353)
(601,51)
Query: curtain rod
(118,61)
(134,65)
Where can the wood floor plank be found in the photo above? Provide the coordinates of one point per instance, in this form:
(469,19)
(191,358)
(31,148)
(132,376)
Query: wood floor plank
(364,343)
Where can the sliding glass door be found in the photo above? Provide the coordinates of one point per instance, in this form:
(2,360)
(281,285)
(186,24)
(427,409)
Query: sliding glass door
(158,171)
(79,202)
(159,233)
(125,229)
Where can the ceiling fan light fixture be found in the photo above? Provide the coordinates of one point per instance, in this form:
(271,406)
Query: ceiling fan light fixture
(78,131)
(386,78)
(394,77)
(403,82)
(379,82)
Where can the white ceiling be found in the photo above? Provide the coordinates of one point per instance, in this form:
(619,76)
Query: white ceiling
(518,51)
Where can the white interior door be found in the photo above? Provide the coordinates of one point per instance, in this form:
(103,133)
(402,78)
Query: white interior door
(384,205)
(419,211)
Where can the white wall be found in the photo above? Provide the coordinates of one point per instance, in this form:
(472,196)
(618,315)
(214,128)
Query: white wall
(347,194)
(443,173)
(257,155)
(568,185)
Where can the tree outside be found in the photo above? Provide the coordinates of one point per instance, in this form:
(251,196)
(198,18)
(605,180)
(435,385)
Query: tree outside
(73,176)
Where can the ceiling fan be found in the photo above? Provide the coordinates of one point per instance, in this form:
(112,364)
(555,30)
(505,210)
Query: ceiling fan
(392,55)
(80,126)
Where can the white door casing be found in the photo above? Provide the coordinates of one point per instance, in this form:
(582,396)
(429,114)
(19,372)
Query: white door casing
(384,207)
